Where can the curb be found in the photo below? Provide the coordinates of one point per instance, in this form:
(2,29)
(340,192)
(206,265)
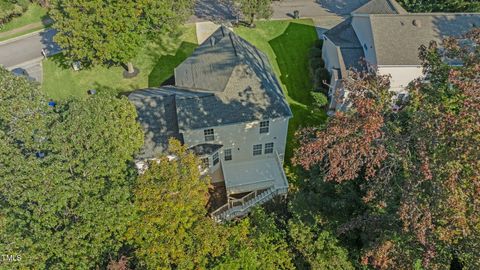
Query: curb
(26,63)
(10,40)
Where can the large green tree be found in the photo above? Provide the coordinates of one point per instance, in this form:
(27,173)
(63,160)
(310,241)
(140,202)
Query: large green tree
(415,168)
(65,183)
(112,32)
(255,9)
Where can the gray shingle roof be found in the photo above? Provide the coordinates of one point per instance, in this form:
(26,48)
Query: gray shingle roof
(343,35)
(224,82)
(381,7)
(156,114)
(397,38)
(205,148)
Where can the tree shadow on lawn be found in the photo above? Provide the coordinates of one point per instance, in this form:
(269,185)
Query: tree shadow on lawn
(165,64)
(291,51)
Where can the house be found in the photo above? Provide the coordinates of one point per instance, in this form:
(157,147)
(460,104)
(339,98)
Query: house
(388,38)
(228,107)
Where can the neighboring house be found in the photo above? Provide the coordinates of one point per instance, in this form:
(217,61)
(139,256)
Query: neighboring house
(388,38)
(228,107)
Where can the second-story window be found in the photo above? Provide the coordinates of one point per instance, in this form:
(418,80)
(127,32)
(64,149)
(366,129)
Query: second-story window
(228,154)
(209,134)
(215,159)
(257,149)
(264,126)
(269,148)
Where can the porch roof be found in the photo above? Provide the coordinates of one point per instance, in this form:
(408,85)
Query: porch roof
(253,175)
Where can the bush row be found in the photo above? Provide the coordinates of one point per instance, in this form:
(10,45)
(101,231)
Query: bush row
(10,9)
(319,74)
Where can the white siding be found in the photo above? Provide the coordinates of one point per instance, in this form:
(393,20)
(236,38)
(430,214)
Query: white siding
(330,55)
(241,138)
(363,29)
(401,75)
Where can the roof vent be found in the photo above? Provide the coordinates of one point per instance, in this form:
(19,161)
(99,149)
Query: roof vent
(417,23)
(212,41)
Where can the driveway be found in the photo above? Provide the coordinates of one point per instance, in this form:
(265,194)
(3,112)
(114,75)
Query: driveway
(26,52)
(15,52)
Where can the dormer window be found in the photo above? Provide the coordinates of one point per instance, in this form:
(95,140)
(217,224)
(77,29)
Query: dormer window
(209,134)
(264,126)
(365,47)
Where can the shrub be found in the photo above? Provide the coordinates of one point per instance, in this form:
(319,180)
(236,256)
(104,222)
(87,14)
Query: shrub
(314,64)
(319,99)
(318,44)
(321,74)
(315,52)
(10,9)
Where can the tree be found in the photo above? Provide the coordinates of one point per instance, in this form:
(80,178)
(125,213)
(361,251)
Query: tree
(416,169)
(441,5)
(171,228)
(319,248)
(255,9)
(112,32)
(256,243)
(65,184)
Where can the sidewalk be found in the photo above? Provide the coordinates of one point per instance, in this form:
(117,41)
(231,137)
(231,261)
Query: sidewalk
(26,29)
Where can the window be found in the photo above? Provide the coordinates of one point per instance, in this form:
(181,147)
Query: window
(264,126)
(209,134)
(215,159)
(365,47)
(205,163)
(257,149)
(269,148)
(228,154)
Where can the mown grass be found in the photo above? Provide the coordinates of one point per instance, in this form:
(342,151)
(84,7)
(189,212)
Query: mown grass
(287,45)
(34,14)
(156,63)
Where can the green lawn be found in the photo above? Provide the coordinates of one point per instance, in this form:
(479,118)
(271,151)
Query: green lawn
(287,43)
(34,14)
(156,63)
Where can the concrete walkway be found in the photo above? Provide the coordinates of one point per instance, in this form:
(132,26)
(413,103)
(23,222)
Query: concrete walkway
(204,30)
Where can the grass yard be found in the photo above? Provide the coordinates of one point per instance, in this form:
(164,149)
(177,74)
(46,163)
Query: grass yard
(287,44)
(156,63)
(35,14)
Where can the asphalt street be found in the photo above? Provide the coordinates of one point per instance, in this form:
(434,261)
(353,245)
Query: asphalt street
(28,48)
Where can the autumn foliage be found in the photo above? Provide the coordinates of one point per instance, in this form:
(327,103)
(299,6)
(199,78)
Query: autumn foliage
(417,168)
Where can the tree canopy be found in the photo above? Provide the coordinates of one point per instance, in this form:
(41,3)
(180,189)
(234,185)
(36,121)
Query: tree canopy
(441,5)
(111,32)
(65,184)
(255,9)
(414,170)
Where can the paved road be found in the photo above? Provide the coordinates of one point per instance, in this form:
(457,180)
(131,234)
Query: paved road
(17,52)
(25,51)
